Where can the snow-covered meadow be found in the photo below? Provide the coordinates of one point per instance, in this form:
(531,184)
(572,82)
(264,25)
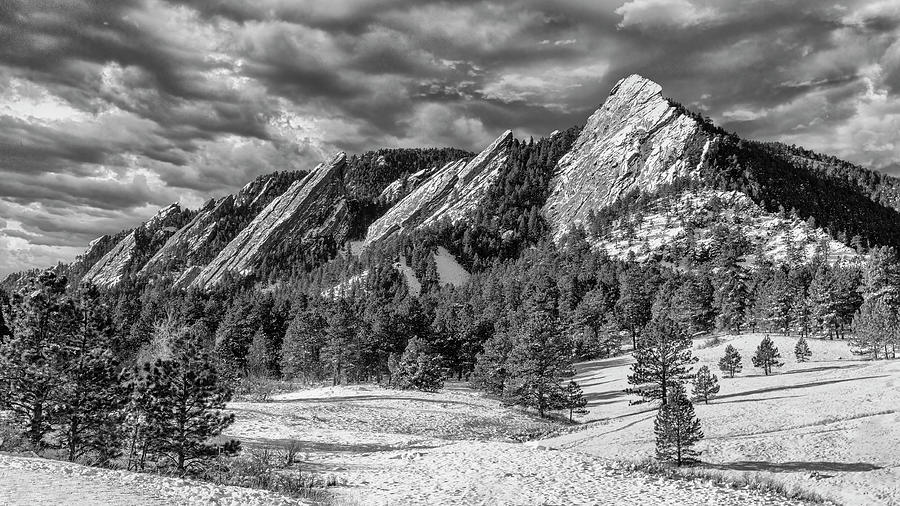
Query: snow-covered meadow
(830,425)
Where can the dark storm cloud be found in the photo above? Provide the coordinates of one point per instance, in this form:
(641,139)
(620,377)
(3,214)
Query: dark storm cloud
(158,100)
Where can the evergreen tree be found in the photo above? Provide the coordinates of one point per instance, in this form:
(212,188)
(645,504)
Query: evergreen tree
(258,355)
(706,384)
(662,361)
(540,358)
(491,372)
(181,400)
(302,346)
(94,396)
(731,362)
(574,400)
(340,335)
(33,359)
(677,429)
(801,350)
(418,369)
(766,356)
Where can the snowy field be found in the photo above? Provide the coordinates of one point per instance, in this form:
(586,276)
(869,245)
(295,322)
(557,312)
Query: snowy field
(830,425)
(36,481)
(455,447)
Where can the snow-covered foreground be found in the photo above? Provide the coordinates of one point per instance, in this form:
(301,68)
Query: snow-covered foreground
(36,481)
(830,426)
(454,447)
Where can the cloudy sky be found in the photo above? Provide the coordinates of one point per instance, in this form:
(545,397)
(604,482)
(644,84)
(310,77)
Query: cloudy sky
(110,109)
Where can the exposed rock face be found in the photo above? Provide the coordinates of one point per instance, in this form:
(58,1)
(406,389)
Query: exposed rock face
(451,192)
(109,270)
(213,227)
(637,139)
(313,207)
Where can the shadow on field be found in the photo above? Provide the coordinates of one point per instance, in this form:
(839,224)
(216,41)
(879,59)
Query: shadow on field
(787,467)
(598,398)
(795,387)
(366,398)
(757,399)
(824,368)
(327,447)
(590,367)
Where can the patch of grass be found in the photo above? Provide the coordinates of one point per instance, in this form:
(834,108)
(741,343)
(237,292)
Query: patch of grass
(262,389)
(272,469)
(738,481)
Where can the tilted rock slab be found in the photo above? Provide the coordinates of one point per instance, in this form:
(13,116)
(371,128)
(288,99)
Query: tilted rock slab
(452,192)
(637,139)
(109,270)
(311,207)
(186,244)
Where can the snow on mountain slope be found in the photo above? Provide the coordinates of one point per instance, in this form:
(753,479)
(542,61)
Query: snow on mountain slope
(637,139)
(313,206)
(449,270)
(450,193)
(109,270)
(682,223)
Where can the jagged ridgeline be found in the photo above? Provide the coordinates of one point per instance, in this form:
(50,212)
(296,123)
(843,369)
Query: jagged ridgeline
(644,178)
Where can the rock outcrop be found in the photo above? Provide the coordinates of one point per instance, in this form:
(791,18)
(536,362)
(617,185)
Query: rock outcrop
(109,270)
(450,193)
(215,225)
(313,207)
(637,139)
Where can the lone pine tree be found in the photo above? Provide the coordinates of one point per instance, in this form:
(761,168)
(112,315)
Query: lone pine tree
(677,429)
(706,384)
(662,361)
(802,351)
(731,362)
(574,400)
(766,356)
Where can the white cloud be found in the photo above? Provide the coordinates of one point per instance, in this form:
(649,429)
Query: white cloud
(662,13)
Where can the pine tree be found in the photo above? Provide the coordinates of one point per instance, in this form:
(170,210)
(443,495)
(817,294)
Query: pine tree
(802,351)
(540,358)
(181,400)
(418,369)
(574,400)
(339,337)
(731,362)
(677,429)
(95,394)
(33,359)
(706,384)
(258,355)
(662,361)
(302,346)
(766,356)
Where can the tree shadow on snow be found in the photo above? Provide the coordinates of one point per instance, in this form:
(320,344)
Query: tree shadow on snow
(592,366)
(799,466)
(795,387)
(825,368)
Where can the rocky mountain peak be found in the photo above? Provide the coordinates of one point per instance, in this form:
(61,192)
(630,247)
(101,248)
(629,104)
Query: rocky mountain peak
(636,139)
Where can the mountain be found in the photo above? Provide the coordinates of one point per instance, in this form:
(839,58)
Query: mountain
(313,208)
(636,140)
(449,193)
(132,250)
(644,177)
(216,224)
